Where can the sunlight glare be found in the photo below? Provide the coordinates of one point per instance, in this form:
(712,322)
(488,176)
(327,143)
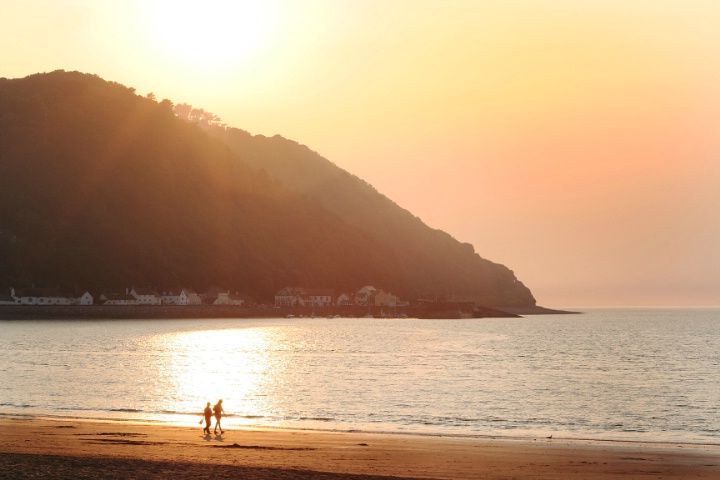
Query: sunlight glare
(211,34)
(204,366)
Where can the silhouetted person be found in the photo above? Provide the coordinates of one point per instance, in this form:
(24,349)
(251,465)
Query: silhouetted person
(218,409)
(208,413)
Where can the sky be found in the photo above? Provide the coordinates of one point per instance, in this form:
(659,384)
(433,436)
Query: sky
(577,142)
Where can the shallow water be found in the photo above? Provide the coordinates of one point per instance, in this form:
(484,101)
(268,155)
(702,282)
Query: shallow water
(624,374)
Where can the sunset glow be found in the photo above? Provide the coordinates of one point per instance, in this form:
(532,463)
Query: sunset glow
(192,365)
(212,35)
(576,142)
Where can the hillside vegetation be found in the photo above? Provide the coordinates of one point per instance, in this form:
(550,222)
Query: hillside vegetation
(102,188)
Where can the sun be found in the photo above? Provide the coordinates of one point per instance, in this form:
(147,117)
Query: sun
(211,34)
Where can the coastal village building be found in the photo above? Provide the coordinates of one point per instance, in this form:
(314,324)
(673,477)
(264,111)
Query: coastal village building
(345,300)
(146,296)
(193,297)
(319,298)
(236,299)
(290,297)
(49,296)
(8,298)
(43,297)
(287,297)
(365,295)
(85,299)
(175,297)
(384,299)
(117,299)
(222,298)
(216,296)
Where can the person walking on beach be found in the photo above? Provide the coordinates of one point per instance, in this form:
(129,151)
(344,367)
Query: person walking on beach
(208,413)
(218,409)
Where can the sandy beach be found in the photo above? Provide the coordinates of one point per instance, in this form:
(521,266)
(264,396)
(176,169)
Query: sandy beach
(79,449)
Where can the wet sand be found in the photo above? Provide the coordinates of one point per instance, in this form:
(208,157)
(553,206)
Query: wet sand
(82,449)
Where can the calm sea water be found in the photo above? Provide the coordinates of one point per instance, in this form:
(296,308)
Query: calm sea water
(622,374)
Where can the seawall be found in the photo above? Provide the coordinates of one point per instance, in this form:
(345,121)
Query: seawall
(139,312)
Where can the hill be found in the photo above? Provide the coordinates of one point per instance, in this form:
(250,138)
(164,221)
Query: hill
(102,187)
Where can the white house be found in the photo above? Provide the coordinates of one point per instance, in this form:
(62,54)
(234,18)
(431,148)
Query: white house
(384,299)
(319,298)
(290,296)
(216,296)
(175,297)
(84,299)
(344,299)
(117,299)
(146,296)
(365,295)
(193,297)
(43,296)
(222,298)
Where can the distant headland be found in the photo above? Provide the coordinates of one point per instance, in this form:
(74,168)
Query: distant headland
(368,301)
(105,187)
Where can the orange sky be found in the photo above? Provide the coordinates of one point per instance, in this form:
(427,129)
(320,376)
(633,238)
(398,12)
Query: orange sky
(576,142)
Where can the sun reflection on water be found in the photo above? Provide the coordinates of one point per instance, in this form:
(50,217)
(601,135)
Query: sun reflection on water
(612,374)
(193,368)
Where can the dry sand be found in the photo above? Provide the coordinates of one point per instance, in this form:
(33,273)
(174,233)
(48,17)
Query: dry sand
(80,449)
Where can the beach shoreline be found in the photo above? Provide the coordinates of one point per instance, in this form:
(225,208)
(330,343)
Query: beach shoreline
(84,448)
(555,436)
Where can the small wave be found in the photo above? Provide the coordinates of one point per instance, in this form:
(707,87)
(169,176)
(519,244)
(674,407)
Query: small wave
(126,410)
(449,421)
(16,406)
(192,414)
(175,412)
(317,419)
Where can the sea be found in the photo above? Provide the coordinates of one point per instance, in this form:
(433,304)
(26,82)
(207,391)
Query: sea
(646,375)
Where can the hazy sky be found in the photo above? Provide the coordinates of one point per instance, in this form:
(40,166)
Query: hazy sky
(576,142)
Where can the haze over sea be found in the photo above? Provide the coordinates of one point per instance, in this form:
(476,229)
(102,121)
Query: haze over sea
(608,374)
